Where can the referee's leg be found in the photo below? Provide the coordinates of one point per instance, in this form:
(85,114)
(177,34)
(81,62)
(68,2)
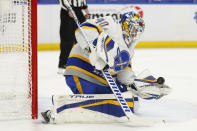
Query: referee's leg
(66,38)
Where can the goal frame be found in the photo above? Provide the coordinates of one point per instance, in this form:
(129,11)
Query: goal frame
(34,59)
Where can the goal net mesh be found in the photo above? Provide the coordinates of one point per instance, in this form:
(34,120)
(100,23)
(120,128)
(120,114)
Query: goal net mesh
(15,59)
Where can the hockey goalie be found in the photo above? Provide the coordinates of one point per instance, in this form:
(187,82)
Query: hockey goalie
(109,45)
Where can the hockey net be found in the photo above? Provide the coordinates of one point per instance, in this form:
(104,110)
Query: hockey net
(18,59)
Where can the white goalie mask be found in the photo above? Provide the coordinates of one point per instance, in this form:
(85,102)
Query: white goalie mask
(132,26)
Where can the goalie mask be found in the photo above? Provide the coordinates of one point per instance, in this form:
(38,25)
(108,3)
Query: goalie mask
(132,27)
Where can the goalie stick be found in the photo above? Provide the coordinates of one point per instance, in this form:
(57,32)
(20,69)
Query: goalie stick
(108,77)
(136,121)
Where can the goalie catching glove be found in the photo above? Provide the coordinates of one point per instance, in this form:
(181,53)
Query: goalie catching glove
(149,87)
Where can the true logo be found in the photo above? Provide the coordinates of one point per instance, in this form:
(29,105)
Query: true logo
(81,96)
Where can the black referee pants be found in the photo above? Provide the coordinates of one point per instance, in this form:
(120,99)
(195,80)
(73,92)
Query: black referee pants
(67,34)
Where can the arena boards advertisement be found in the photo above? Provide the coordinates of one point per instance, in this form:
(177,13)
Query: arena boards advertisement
(168,26)
(163,22)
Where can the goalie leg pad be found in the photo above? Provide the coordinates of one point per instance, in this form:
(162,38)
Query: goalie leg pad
(89,108)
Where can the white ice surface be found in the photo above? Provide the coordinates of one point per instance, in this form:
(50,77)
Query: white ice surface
(179,109)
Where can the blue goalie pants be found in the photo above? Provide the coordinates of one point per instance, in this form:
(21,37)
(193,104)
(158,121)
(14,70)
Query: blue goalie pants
(81,86)
(107,106)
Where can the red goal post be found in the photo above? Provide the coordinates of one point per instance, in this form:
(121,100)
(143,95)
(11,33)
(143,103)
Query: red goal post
(34,60)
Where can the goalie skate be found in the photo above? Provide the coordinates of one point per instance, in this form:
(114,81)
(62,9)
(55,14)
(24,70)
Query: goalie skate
(46,116)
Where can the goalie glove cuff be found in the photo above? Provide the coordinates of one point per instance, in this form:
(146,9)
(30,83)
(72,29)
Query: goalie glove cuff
(126,76)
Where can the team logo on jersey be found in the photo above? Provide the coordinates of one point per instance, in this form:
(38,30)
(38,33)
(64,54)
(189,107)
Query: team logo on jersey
(195,17)
(122,60)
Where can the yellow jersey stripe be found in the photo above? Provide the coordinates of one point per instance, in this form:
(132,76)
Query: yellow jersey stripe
(80,57)
(78,85)
(86,27)
(107,41)
(88,73)
(91,26)
(99,28)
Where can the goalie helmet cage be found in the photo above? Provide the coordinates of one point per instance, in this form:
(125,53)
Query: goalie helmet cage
(18,59)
